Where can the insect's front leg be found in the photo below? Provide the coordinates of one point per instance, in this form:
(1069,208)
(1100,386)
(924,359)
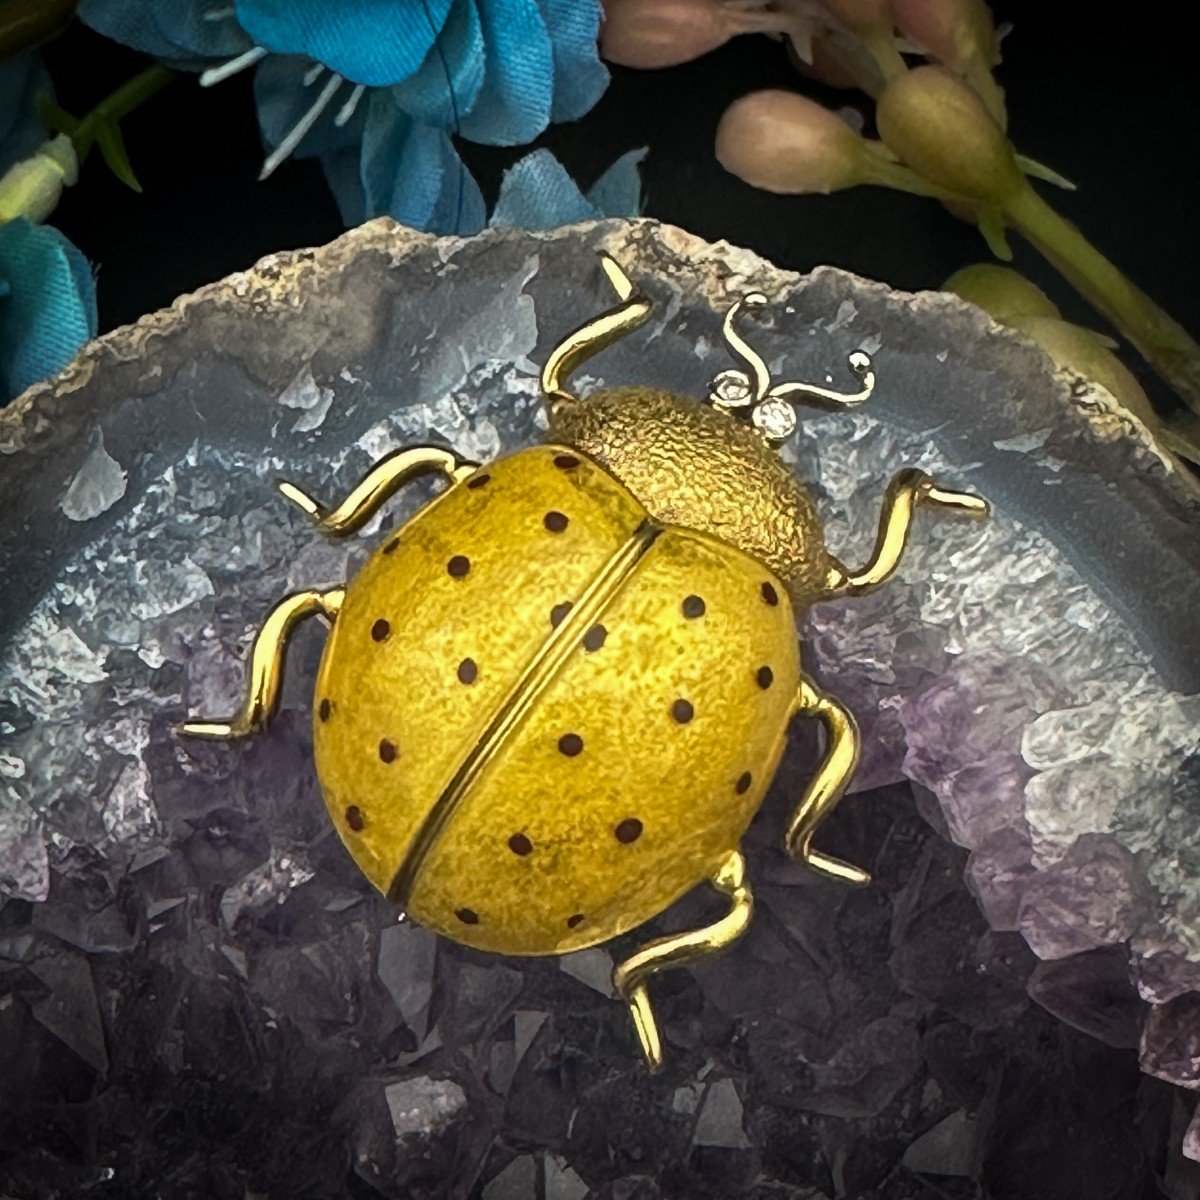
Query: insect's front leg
(266,665)
(909,490)
(827,786)
(378,486)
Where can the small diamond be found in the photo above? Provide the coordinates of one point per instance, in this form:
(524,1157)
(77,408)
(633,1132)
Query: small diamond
(775,418)
(731,389)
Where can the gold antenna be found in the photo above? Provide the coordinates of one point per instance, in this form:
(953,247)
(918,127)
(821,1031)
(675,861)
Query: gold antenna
(749,392)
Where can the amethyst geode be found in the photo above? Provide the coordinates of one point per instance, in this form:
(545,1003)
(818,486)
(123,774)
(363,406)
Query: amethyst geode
(200,997)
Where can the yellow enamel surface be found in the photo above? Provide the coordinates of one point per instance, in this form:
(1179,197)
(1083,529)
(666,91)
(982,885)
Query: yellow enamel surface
(405,688)
(533,841)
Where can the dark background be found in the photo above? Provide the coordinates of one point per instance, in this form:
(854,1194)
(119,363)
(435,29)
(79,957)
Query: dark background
(1107,100)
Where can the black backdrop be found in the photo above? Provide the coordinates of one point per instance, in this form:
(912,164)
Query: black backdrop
(1110,101)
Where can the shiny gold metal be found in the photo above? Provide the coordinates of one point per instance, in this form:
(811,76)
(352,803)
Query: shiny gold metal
(378,486)
(909,490)
(768,406)
(827,786)
(551,703)
(681,949)
(266,665)
(593,336)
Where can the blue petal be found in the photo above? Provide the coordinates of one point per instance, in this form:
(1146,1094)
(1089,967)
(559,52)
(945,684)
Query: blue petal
(376,42)
(579,76)
(618,192)
(343,175)
(22,80)
(282,100)
(50,308)
(448,82)
(537,193)
(514,103)
(175,30)
(411,172)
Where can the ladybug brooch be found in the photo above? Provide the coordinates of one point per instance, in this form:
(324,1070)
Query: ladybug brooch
(551,703)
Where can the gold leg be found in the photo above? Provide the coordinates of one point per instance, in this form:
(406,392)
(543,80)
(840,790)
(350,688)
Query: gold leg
(676,950)
(576,348)
(908,491)
(378,486)
(266,665)
(827,786)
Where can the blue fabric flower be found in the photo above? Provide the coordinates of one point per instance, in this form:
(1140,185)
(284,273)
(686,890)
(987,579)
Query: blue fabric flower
(376,89)
(537,193)
(47,293)
(47,304)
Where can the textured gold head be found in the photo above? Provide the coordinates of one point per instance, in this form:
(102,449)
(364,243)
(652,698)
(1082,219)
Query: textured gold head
(704,465)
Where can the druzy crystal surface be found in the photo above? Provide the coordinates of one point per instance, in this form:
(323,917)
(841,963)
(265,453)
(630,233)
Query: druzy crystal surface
(200,997)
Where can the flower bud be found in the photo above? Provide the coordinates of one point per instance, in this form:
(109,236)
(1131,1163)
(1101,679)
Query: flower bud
(649,34)
(841,61)
(782,142)
(31,187)
(958,33)
(1000,292)
(860,16)
(1081,351)
(939,126)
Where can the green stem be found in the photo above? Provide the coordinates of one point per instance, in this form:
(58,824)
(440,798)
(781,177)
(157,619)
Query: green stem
(25,24)
(119,104)
(1161,340)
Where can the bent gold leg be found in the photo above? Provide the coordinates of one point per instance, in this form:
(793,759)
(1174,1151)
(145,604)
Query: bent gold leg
(827,786)
(632,976)
(909,490)
(576,348)
(378,486)
(266,665)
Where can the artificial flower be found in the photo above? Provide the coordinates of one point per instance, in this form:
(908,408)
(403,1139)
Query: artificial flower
(376,89)
(47,293)
(538,193)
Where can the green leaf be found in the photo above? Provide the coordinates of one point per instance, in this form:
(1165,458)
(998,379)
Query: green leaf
(991,225)
(112,148)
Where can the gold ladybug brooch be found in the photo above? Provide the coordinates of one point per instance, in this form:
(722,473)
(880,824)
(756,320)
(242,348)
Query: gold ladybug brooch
(552,701)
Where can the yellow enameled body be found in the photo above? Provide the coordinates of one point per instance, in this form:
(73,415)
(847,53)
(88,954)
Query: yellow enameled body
(542,715)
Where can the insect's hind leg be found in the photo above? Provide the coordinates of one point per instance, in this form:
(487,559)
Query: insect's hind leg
(827,786)
(378,486)
(266,665)
(632,976)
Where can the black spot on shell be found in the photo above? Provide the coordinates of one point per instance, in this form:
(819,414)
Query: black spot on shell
(468,916)
(325,709)
(628,831)
(769,594)
(765,677)
(559,611)
(566,462)
(381,630)
(468,672)
(743,783)
(555,522)
(693,607)
(458,566)
(354,818)
(520,844)
(478,481)
(387,751)
(682,711)
(570,744)
(574,919)
(595,638)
